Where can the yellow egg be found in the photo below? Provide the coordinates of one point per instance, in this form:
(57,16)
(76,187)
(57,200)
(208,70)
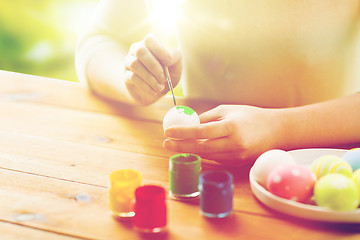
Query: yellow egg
(331,164)
(356,178)
(336,192)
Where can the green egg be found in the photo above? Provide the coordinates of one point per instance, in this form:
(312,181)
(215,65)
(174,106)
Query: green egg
(336,192)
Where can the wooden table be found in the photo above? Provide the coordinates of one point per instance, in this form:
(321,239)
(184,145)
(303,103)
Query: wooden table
(58,145)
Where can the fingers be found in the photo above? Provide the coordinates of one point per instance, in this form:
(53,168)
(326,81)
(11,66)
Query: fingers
(208,130)
(176,68)
(142,73)
(219,150)
(153,55)
(228,158)
(206,146)
(146,60)
(138,82)
(213,114)
(158,50)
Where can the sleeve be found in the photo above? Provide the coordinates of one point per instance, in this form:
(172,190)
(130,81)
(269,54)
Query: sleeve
(87,45)
(118,22)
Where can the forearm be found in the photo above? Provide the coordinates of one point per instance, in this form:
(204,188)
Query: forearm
(325,124)
(105,72)
(104,44)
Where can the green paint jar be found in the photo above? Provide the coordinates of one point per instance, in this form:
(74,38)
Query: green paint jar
(184,173)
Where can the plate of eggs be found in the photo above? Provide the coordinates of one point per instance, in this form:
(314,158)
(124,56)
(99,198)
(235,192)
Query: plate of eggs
(315,184)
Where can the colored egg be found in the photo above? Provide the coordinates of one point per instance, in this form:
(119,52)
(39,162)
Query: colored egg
(294,182)
(180,115)
(268,161)
(336,192)
(353,158)
(356,178)
(331,164)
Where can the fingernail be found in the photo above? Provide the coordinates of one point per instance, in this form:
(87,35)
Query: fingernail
(162,77)
(166,143)
(169,133)
(160,87)
(168,60)
(165,133)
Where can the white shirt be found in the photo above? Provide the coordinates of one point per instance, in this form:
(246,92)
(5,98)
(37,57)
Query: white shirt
(263,53)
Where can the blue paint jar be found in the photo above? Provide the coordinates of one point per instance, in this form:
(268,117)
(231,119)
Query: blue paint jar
(216,194)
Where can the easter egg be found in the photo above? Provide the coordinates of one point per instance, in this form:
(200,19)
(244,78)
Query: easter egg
(336,192)
(356,178)
(331,164)
(294,182)
(269,160)
(353,158)
(180,115)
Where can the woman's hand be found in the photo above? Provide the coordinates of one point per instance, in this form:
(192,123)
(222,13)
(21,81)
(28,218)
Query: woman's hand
(144,77)
(229,134)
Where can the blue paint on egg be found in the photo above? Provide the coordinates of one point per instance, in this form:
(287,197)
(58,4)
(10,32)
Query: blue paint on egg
(353,158)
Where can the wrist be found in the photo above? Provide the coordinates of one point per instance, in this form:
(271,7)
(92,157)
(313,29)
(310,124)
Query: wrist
(286,128)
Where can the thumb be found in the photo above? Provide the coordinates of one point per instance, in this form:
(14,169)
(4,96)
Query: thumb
(175,67)
(175,56)
(214,114)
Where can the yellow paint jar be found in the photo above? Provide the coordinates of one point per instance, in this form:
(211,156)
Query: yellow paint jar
(122,191)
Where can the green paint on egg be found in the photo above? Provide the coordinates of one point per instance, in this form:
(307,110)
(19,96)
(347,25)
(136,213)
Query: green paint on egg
(186,110)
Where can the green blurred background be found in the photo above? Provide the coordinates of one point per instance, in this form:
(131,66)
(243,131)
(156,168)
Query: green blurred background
(38,37)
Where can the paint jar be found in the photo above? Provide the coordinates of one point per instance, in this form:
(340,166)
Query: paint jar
(150,209)
(216,194)
(184,173)
(122,192)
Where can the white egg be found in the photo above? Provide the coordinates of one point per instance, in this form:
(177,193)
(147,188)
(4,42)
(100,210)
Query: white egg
(268,161)
(180,115)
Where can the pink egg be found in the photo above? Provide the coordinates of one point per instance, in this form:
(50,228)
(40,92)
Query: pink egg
(294,182)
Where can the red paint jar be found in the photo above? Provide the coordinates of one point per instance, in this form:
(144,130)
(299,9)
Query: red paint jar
(150,209)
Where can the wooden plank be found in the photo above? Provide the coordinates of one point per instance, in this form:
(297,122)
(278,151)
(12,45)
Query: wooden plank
(74,162)
(83,127)
(54,158)
(17,87)
(91,128)
(10,231)
(92,165)
(76,140)
(46,203)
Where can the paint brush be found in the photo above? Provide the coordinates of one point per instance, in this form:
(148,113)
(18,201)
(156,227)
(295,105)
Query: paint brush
(169,83)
